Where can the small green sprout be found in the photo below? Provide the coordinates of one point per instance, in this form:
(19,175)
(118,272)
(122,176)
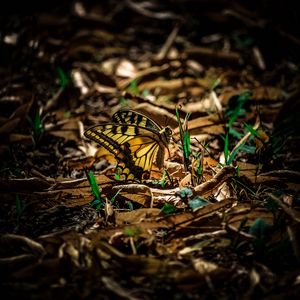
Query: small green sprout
(168,209)
(215,83)
(123,101)
(185,139)
(133,87)
(113,199)
(97,202)
(118,174)
(37,127)
(199,165)
(229,157)
(197,202)
(63,78)
(236,105)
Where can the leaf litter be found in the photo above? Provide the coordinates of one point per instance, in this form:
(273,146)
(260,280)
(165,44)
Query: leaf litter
(221,223)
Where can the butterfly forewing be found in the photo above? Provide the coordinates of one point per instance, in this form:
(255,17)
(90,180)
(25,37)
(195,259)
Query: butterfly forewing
(127,116)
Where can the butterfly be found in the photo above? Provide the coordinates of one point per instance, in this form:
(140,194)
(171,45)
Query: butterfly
(135,140)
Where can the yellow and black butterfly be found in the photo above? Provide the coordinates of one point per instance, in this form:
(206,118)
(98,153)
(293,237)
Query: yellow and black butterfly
(135,140)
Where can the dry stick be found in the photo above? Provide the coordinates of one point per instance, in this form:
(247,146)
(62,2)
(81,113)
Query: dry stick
(214,56)
(164,51)
(259,58)
(140,8)
(215,182)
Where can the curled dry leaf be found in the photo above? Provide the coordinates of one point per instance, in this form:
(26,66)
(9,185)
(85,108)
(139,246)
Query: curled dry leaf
(138,193)
(240,213)
(126,69)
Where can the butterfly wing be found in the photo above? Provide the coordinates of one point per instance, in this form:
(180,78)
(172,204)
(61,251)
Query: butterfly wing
(134,147)
(143,150)
(127,116)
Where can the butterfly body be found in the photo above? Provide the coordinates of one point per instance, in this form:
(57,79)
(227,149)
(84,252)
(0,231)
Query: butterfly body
(135,140)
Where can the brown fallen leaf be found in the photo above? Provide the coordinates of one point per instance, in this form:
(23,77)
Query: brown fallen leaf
(9,126)
(136,216)
(25,184)
(138,193)
(242,212)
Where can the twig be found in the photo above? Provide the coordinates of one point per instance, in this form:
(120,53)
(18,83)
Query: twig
(168,43)
(215,182)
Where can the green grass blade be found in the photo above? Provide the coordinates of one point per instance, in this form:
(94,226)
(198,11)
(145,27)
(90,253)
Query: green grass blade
(233,154)
(237,110)
(226,148)
(184,138)
(63,78)
(97,202)
(252,130)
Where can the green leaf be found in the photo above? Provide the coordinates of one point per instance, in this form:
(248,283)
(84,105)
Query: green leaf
(226,148)
(233,154)
(260,229)
(252,130)
(145,93)
(199,167)
(197,202)
(236,104)
(215,83)
(63,78)
(113,199)
(133,87)
(131,232)
(184,138)
(118,174)
(168,209)
(19,205)
(271,205)
(36,126)
(97,202)
(123,101)
(129,205)
(235,133)
(186,144)
(94,186)
(248,148)
(184,193)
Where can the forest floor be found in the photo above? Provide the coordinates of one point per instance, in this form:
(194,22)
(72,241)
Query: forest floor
(220,220)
